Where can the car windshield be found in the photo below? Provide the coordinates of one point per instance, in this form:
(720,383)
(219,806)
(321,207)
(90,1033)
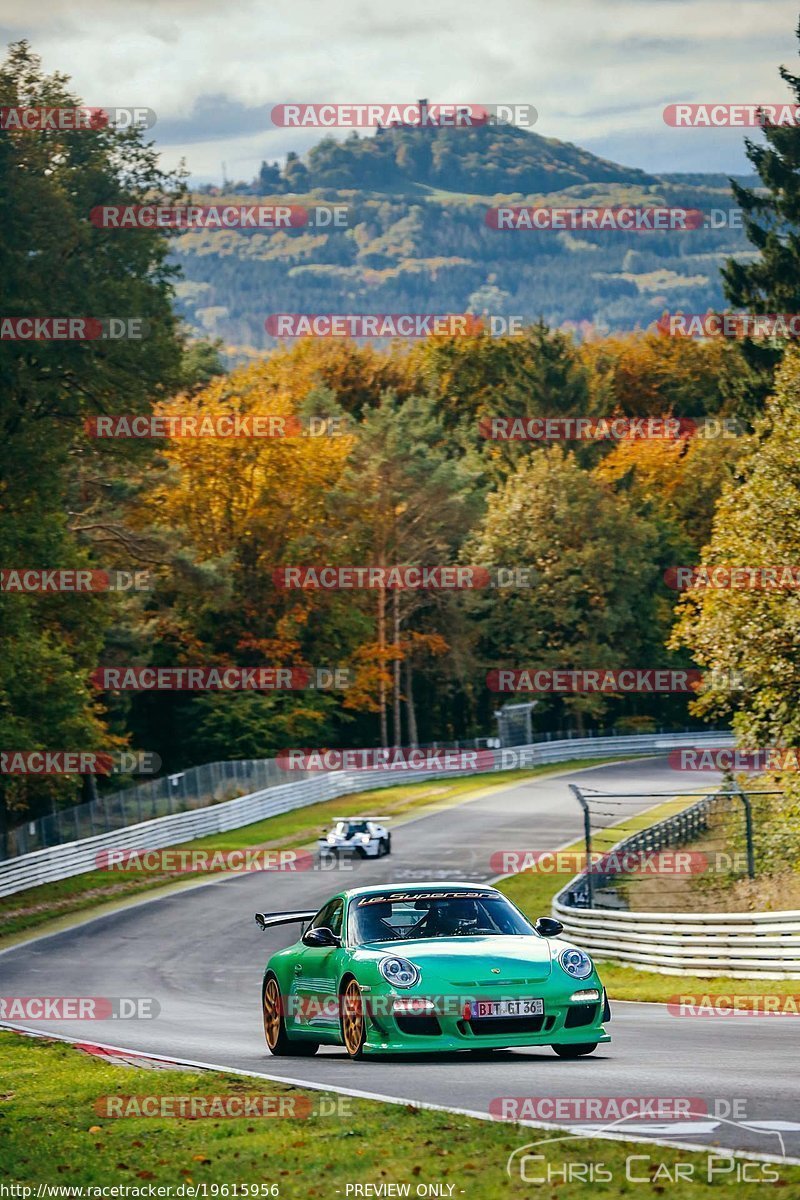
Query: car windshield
(347,828)
(399,917)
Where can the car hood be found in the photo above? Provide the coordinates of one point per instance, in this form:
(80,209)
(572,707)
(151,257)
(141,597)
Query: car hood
(483,961)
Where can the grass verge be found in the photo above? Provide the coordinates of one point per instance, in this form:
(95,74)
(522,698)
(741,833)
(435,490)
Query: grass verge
(52,1135)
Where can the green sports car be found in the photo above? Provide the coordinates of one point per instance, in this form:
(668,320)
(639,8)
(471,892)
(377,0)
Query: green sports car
(429,967)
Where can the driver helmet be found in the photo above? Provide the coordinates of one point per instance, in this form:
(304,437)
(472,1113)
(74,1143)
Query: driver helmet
(451,914)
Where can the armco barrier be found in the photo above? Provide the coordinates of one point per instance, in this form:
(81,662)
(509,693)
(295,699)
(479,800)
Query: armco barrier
(738,945)
(75,858)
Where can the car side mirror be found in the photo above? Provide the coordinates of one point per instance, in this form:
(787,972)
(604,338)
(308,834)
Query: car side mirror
(321,936)
(548,927)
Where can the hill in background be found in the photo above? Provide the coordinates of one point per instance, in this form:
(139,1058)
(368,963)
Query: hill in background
(479,160)
(417,240)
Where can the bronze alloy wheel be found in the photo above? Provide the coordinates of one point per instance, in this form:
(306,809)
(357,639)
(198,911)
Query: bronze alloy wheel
(353,1024)
(278,1041)
(272,1013)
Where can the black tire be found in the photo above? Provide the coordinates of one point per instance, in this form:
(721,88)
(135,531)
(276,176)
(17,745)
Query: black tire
(387,844)
(352,1019)
(576,1050)
(278,1041)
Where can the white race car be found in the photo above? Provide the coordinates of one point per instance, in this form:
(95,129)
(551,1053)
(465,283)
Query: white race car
(363,836)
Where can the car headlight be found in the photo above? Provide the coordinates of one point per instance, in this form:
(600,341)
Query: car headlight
(399,972)
(585,996)
(576,963)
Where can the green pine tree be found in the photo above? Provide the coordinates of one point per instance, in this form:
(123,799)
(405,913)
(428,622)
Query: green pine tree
(771,221)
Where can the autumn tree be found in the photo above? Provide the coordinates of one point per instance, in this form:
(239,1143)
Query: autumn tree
(593,563)
(678,478)
(408,501)
(243,508)
(749,639)
(655,375)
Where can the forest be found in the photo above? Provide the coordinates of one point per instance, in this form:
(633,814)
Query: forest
(386,463)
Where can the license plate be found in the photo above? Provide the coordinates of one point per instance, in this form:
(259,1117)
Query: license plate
(507,1008)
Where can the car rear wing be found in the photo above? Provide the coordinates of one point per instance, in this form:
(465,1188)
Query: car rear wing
(370,817)
(267,920)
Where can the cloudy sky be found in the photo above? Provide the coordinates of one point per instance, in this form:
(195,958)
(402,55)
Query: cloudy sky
(599,72)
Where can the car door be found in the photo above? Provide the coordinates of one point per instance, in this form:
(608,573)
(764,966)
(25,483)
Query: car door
(316,973)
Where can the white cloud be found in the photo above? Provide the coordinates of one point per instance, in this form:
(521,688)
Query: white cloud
(598,73)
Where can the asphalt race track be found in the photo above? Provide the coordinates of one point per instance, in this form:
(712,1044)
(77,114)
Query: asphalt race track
(200,954)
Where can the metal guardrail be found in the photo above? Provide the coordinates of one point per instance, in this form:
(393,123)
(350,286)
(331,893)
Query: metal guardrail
(79,856)
(737,945)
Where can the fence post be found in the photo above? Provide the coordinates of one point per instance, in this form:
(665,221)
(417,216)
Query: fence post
(587,834)
(748,829)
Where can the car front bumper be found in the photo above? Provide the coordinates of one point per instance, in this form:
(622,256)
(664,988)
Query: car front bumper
(447,1027)
(363,849)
